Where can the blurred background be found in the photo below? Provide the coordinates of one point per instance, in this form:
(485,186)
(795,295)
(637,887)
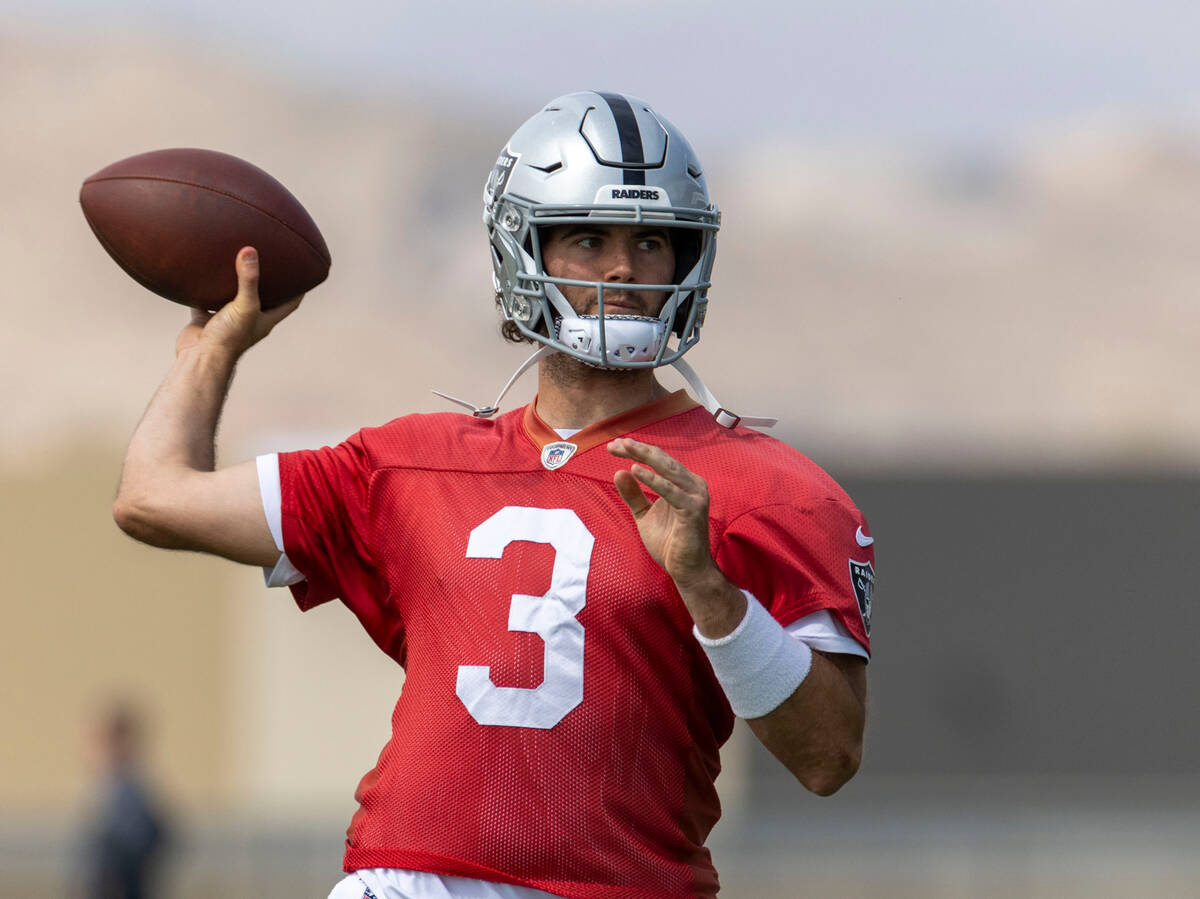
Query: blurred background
(958,261)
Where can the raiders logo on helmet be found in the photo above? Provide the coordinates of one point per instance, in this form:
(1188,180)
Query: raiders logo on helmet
(501,172)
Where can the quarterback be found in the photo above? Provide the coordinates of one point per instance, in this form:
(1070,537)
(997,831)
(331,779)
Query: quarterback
(583,593)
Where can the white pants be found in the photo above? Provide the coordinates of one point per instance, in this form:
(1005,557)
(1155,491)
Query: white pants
(397,883)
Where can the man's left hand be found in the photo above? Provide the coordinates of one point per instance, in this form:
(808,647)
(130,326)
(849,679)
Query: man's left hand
(674,529)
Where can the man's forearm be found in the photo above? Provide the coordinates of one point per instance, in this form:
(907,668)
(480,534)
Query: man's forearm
(171,493)
(180,424)
(175,437)
(816,731)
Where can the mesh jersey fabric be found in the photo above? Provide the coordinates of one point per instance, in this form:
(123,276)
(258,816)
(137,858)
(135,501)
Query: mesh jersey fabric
(411,525)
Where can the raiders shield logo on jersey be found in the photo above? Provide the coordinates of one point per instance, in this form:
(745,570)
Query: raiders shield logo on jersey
(862,576)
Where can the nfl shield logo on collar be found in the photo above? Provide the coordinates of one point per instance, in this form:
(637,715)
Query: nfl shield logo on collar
(555,455)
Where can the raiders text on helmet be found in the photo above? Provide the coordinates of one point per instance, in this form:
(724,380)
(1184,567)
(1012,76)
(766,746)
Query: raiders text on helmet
(590,157)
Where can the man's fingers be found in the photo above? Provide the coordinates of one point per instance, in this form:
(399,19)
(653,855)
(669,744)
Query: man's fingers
(631,492)
(664,465)
(276,314)
(655,458)
(628,448)
(635,497)
(247,274)
(671,492)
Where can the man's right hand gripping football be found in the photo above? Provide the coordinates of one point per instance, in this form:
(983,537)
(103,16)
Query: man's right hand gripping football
(171,492)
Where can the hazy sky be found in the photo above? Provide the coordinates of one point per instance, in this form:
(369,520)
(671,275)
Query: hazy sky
(939,71)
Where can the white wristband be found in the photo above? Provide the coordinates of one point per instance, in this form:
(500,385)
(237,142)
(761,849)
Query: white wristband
(757,664)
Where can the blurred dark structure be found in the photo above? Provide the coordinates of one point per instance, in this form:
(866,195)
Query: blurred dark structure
(126,832)
(1037,626)
(1030,729)
(1032,627)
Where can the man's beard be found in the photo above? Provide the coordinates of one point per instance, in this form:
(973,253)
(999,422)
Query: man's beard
(568,372)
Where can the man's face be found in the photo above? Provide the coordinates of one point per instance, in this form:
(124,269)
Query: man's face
(612,254)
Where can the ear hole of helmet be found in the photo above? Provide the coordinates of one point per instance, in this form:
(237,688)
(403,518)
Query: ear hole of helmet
(509,329)
(686,243)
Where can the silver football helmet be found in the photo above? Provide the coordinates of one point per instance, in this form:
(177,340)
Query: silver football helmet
(589,157)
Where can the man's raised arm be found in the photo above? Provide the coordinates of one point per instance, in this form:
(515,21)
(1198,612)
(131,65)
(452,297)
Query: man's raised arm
(171,494)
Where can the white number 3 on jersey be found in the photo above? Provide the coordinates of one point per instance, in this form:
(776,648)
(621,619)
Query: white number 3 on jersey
(551,616)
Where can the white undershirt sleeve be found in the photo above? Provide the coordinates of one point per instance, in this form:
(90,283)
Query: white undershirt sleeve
(822,631)
(284,573)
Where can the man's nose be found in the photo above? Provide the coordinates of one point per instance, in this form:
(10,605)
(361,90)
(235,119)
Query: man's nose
(619,262)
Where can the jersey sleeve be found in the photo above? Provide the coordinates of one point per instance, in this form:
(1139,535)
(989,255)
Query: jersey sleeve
(324,498)
(798,560)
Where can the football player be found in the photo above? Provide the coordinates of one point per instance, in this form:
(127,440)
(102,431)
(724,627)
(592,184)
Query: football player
(583,593)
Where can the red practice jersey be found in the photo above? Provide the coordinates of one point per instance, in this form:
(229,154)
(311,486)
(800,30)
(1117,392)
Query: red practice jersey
(559,725)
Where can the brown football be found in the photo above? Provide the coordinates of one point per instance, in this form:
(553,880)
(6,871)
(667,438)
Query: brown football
(175,219)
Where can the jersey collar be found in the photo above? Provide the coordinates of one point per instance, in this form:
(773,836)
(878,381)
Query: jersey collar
(603,431)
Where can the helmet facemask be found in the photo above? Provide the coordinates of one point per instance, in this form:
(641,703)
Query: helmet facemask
(534,301)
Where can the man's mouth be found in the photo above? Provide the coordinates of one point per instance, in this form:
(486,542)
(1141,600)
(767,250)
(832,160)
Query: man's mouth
(620,306)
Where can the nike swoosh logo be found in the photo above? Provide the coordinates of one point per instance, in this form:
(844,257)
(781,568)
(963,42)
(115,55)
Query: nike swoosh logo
(861,538)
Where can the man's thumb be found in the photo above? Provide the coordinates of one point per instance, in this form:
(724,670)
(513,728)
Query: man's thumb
(247,272)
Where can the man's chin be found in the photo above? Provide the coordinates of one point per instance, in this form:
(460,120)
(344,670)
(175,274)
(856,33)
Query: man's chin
(567,371)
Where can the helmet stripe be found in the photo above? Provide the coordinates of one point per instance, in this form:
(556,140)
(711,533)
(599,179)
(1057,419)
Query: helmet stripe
(630,134)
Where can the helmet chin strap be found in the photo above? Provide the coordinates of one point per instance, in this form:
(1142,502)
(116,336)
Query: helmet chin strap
(720,414)
(723,416)
(489,411)
(558,301)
